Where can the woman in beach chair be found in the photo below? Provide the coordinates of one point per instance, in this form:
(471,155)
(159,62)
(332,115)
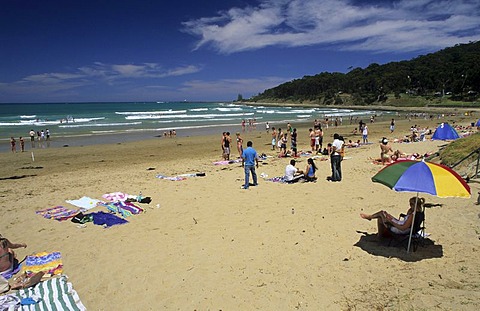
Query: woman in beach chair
(389,226)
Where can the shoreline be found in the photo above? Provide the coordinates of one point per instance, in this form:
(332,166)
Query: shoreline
(119,138)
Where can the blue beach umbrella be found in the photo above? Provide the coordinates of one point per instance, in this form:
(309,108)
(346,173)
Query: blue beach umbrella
(445,132)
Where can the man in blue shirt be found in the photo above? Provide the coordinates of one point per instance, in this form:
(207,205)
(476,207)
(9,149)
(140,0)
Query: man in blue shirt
(249,161)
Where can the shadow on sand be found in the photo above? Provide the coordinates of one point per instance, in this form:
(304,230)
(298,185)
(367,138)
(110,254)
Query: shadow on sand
(372,245)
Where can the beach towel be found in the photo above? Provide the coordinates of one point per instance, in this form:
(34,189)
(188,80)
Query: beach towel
(172,178)
(59,213)
(50,263)
(280,179)
(55,294)
(85,203)
(115,196)
(9,302)
(123,208)
(107,220)
(227,162)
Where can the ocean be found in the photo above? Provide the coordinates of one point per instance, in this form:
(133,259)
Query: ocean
(91,123)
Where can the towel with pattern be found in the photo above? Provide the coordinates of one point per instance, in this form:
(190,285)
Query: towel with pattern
(115,196)
(84,202)
(50,263)
(172,178)
(59,213)
(55,293)
(226,162)
(280,179)
(123,208)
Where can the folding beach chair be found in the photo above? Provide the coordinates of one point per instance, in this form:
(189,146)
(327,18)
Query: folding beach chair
(418,234)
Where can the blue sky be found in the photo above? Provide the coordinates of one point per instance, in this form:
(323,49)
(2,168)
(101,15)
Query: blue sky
(76,51)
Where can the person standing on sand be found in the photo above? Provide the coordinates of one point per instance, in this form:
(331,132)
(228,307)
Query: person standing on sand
(13,144)
(22,144)
(294,142)
(239,145)
(221,143)
(318,137)
(274,138)
(227,140)
(311,135)
(32,138)
(249,162)
(336,159)
(365,134)
(392,126)
(267,127)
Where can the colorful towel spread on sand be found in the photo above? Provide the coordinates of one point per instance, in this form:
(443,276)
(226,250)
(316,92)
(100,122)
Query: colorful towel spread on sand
(280,179)
(50,263)
(55,293)
(107,219)
(118,196)
(59,213)
(84,202)
(123,208)
(172,178)
(227,162)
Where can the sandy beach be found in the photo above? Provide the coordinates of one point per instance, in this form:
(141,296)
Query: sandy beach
(213,246)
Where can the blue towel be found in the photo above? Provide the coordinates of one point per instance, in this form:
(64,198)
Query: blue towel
(107,219)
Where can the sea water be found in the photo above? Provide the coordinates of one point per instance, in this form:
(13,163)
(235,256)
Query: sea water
(99,122)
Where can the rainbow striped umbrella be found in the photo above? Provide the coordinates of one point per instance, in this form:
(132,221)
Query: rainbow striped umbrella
(424,177)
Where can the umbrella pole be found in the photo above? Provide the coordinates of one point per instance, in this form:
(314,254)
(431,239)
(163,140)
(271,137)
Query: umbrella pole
(413,221)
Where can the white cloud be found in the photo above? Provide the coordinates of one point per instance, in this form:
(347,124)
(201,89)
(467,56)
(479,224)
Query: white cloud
(97,73)
(381,26)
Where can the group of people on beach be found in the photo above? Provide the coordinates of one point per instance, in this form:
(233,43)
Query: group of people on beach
(38,137)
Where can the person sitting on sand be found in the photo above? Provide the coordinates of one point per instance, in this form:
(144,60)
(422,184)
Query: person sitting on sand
(7,255)
(386,151)
(388,224)
(292,174)
(310,170)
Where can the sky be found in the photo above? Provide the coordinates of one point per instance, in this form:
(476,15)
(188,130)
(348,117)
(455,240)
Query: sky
(212,50)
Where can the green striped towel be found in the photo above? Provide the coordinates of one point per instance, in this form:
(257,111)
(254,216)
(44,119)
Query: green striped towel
(56,294)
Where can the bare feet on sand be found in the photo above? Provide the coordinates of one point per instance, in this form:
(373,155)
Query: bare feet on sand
(365,216)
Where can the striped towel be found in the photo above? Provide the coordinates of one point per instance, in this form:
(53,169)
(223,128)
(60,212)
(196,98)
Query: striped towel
(50,263)
(55,293)
(123,208)
(129,208)
(59,213)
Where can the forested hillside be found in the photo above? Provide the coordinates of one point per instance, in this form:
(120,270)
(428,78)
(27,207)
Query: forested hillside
(452,73)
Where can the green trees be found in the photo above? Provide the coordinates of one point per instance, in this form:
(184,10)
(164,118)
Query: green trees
(454,71)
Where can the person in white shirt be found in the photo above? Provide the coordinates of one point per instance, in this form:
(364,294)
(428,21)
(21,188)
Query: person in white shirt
(292,174)
(336,158)
(365,134)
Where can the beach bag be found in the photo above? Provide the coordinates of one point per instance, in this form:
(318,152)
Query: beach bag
(80,218)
